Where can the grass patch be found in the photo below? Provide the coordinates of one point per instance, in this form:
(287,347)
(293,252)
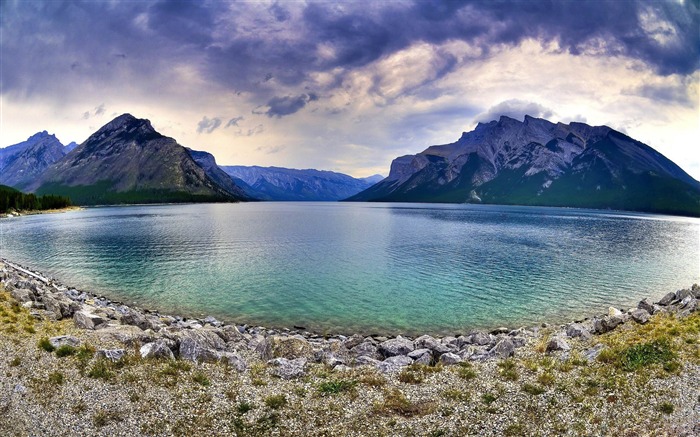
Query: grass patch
(276,401)
(666,407)
(533,389)
(336,386)
(45,344)
(466,371)
(641,355)
(244,407)
(488,398)
(56,378)
(201,379)
(508,369)
(65,351)
(456,395)
(16,361)
(101,369)
(396,402)
(409,376)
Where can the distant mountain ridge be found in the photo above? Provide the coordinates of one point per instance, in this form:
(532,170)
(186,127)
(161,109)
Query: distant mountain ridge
(128,161)
(21,163)
(537,162)
(277,183)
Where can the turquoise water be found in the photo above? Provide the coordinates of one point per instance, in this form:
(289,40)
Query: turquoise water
(360,267)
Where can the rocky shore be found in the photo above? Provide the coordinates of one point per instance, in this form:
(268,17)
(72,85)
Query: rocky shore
(262,381)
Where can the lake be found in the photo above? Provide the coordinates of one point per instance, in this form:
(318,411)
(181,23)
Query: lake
(373,268)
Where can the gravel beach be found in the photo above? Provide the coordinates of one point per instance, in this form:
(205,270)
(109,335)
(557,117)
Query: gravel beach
(76,364)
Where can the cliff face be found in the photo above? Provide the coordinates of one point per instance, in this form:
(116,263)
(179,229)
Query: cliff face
(536,162)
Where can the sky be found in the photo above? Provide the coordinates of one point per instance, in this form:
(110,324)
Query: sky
(350,85)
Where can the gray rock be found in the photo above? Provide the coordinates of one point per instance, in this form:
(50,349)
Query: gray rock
(682,294)
(640,316)
(285,347)
(449,358)
(450,341)
(578,330)
(111,354)
(234,361)
(394,363)
(288,369)
(85,320)
(363,360)
(425,359)
(136,319)
(667,299)
(479,338)
(592,353)
(64,340)
(503,349)
(61,306)
(419,353)
(396,346)
(428,342)
(200,345)
(606,324)
(501,330)
(519,341)
(353,341)
(557,344)
(158,349)
(212,321)
(686,301)
(646,306)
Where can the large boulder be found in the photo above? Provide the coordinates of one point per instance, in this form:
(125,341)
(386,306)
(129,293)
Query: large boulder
(288,369)
(64,340)
(578,330)
(557,344)
(395,363)
(667,299)
(396,346)
(135,318)
(646,306)
(86,320)
(640,316)
(200,345)
(366,349)
(285,347)
(478,338)
(429,342)
(503,349)
(158,349)
(61,306)
(234,361)
(111,354)
(449,358)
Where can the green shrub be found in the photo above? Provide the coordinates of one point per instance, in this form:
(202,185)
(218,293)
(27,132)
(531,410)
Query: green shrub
(666,407)
(641,355)
(46,345)
(65,350)
(201,379)
(244,407)
(533,389)
(56,378)
(336,386)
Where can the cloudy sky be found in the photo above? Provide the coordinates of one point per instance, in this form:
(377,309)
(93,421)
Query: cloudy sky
(348,86)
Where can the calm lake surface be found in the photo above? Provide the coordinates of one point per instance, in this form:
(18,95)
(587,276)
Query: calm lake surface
(362,267)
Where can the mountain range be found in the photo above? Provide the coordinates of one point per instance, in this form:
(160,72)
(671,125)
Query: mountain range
(276,183)
(536,162)
(22,163)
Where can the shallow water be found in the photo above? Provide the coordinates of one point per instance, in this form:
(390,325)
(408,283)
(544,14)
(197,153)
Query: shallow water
(363,267)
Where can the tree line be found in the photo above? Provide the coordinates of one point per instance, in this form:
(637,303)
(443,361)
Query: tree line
(11,199)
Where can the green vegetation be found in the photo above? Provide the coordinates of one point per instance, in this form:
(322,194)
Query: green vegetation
(244,407)
(65,350)
(46,345)
(640,355)
(14,200)
(56,378)
(336,386)
(276,401)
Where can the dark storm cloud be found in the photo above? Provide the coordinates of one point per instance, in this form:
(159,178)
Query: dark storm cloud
(266,51)
(678,93)
(281,106)
(208,125)
(234,121)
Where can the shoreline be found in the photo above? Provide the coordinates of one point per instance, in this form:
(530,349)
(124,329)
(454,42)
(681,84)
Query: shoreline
(16,214)
(76,363)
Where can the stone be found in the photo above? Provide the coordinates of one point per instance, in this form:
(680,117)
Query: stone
(285,347)
(353,341)
(64,340)
(158,349)
(686,301)
(592,353)
(519,341)
(136,319)
(288,369)
(501,330)
(21,295)
(614,312)
(578,330)
(503,349)
(234,361)
(557,344)
(86,320)
(449,359)
(396,346)
(429,342)
(127,334)
(646,306)
(667,299)
(111,354)
(419,353)
(61,306)
(394,363)
(363,360)
(200,348)
(606,324)
(212,321)
(479,338)
(682,294)
(425,359)
(640,316)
